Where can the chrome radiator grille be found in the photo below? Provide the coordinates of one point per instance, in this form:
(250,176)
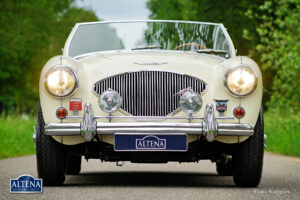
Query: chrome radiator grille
(150,93)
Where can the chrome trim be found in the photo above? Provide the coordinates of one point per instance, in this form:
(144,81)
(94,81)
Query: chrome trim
(238,132)
(150,63)
(231,50)
(133,81)
(149,130)
(210,124)
(103,128)
(72,71)
(89,127)
(146,117)
(149,20)
(52,126)
(226,76)
(151,70)
(265,141)
(34,135)
(70,37)
(62,131)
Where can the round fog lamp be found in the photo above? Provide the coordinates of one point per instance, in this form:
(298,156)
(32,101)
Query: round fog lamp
(110,101)
(190,102)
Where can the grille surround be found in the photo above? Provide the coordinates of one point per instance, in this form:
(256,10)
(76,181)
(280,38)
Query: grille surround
(150,92)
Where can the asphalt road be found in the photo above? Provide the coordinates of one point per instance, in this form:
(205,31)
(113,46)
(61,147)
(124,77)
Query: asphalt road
(281,180)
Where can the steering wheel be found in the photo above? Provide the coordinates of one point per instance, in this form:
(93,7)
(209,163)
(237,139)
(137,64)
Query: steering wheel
(200,46)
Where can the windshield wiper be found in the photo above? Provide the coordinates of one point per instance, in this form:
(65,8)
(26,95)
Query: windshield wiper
(147,47)
(212,51)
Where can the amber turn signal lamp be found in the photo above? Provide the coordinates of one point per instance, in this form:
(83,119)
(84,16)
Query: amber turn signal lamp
(239,112)
(61,113)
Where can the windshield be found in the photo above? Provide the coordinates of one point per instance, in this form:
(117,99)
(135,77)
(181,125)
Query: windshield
(149,35)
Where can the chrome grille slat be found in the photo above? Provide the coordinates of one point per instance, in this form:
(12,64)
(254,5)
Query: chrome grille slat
(150,93)
(142,96)
(165,96)
(147,93)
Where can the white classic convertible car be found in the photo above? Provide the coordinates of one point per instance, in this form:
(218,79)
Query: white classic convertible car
(150,91)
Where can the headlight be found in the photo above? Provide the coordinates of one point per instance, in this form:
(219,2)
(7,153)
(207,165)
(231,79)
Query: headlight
(110,101)
(190,102)
(240,80)
(60,81)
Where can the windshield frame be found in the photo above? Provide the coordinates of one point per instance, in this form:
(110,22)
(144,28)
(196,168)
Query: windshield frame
(232,52)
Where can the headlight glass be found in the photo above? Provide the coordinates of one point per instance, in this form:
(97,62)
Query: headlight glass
(110,101)
(60,81)
(240,81)
(190,102)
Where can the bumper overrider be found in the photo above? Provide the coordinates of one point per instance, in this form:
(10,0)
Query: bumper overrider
(89,127)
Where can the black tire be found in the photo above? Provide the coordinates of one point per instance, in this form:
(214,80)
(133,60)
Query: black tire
(225,169)
(249,157)
(50,155)
(73,165)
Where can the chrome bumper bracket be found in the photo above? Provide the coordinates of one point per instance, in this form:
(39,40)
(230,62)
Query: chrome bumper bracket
(88,127)
(210,124)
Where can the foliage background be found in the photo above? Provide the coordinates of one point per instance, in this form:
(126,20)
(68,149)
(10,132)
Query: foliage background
(33,31)
(268,31)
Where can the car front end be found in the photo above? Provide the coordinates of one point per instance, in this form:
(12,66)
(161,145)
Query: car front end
(148,105)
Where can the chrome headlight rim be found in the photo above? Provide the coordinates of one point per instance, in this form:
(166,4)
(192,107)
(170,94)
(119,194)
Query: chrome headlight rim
(193,111)
(117,107)
(233,68)
(72,72)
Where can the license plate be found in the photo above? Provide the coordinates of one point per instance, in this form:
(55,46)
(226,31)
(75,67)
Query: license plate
(150,142)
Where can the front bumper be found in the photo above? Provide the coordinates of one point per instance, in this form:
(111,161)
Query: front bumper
(89,127)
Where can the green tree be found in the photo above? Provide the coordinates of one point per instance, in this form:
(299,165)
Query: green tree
(268,31)
(231,13)
(279,47)
(31,32)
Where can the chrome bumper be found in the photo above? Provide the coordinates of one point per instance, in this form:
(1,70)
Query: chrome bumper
(89,127)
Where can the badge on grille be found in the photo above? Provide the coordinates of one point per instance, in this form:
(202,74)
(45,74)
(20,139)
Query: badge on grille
(221,105)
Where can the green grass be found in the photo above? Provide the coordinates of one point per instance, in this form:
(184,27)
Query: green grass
(283,133)
(16,136)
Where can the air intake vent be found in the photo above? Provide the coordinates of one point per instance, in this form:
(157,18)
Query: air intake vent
(150,93)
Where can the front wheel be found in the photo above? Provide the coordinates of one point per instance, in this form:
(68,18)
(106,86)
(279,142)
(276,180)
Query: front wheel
(50,155)
(249,157)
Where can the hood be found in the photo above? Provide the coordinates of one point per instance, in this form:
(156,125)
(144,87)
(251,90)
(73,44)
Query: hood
(100,66)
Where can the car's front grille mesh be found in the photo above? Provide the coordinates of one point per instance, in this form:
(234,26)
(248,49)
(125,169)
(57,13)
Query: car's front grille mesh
(150,93)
